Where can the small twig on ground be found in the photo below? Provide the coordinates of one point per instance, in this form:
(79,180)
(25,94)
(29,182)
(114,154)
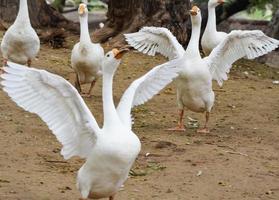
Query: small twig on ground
(238,153)
(219,90)
(221,146)
(56,161)
(226,146)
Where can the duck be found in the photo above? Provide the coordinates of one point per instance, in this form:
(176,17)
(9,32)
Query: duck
(211,37)
(109,151)
(20,43)
(86,57)
(194,83)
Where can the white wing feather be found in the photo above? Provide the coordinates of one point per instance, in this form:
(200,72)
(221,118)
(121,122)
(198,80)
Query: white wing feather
(238,44)
(150,40)
(57,103)
(144,88)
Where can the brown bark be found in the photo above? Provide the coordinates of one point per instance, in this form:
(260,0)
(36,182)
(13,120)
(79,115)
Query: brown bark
(125,16)
(274,26)
(41,14)
(130,15)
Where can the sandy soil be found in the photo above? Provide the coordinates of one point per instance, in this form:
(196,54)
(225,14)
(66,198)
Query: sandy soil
(238,160)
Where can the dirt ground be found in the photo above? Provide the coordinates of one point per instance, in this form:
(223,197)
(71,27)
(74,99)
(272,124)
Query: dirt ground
(238,160)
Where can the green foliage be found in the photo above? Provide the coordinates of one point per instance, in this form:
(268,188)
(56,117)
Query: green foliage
(58,5)
(261,4)
(258,13)
(96,5)
(258,9)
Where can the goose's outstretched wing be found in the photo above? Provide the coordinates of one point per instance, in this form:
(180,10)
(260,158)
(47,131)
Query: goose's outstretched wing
(150,40)
(145,87)
(238,44)
(57,103)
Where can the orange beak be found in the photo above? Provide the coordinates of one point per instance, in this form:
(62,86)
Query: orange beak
(221,1)
(81,9)
(194,11)
(119,53)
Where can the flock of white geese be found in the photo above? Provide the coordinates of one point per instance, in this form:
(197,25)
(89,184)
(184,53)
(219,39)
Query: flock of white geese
(111,150)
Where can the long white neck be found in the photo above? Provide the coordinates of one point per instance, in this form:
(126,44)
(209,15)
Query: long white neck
(23,15)
(211,20)
(193,46)
(110,113)
(84,32)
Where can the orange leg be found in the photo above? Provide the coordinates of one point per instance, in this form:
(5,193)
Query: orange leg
(180,126)
(205,129)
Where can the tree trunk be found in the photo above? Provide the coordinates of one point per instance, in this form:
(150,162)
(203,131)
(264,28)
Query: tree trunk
(130,15)
(125,16)
(274,26)
(41,14)
(272,59)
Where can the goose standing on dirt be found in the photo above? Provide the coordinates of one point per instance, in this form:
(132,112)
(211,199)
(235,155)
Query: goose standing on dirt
(211,37)
(109,151)
(20,43)
(194,83)
(86,56)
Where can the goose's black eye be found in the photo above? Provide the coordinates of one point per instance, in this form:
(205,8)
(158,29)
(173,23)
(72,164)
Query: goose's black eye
(108,55)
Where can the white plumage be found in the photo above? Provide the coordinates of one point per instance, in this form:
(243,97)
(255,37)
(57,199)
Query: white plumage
(238,44)
(57,103)
(194,83)
(211,37)
(109,151)
(151,40)
(86,58)
(145,87)
(20,43)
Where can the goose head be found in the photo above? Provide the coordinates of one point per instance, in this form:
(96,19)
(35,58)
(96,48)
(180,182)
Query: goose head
(195,13)
(215,3)
(82,10)
(112,60)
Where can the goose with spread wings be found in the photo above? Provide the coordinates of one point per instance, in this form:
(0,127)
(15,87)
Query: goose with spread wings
(194,83)
(109,151)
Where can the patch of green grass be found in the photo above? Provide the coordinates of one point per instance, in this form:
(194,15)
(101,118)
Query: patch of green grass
(255,14)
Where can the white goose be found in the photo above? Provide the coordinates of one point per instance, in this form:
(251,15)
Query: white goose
(86,56)
(20,43)
(194,83)
(211,37)
(109,151)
